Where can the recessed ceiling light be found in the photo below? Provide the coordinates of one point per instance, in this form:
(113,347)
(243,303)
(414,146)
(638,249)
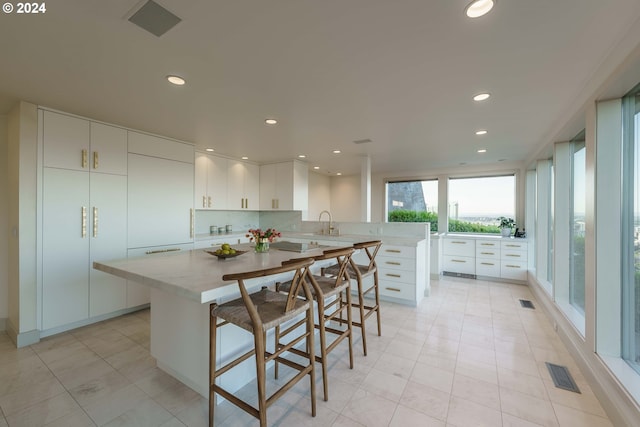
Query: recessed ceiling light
(338,173)
(210,149)
(244,158)
(481,132)
(176,80)
(316,167)
(301,156)
(271,121)
(477,8)
(482,150)
(482,96)
(336,151)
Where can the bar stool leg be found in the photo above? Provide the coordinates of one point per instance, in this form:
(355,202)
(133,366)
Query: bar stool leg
(323,348)
(349,324)
(312,358)
(261,378)
(375,278)
(212,364)
(362,318)
(277,344)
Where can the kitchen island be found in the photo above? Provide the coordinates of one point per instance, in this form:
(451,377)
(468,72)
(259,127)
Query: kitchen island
(183,284)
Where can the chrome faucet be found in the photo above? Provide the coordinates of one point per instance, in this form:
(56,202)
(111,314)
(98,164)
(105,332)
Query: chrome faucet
(330,222)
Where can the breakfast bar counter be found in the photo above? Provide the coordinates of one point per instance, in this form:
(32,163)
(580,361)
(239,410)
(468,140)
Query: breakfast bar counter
(183,284)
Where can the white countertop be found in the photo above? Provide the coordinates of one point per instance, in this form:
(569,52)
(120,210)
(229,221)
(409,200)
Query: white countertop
(195,274)
(482,237)
(354,238)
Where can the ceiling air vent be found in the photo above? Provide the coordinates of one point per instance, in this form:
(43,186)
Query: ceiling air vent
(154,18)
(362,141)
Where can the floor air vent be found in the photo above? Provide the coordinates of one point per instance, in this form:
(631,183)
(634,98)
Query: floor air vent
(561,377)
(464,275)
(527,304)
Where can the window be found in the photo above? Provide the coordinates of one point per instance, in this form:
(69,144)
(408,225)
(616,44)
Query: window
(476,203)
(550,219)
(631,231)
(413,201)
(577,223)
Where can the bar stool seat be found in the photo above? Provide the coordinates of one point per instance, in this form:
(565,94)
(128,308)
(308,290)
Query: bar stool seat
(257,313)
(360,273)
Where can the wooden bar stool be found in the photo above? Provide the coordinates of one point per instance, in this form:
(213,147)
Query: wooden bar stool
(328,293)
(257,313)
(360,273)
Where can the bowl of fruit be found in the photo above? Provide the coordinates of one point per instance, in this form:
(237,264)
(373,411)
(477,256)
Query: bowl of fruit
(225,251)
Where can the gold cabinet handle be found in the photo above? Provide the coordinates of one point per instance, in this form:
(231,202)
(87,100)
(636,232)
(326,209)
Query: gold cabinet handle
(95,160)
(513,246)
(192,222)
(512,266)
(209,201)
(458,243)
(487,263)
(392,289)
(159,251)
(84,222)
(513,255)
(393,275)
(204,201)
(394,251)
(95,222)
(458,260)
(84,159)
(487,253)
(246,203)
(392,263)
(487,244)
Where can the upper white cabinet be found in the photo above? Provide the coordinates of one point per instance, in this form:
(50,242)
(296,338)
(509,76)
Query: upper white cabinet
(284,186)
(243,185)
(210,182)
(79,144)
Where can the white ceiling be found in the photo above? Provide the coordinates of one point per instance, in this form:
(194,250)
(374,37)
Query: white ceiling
(401,73)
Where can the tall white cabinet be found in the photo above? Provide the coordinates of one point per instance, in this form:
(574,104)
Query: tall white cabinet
(84,199)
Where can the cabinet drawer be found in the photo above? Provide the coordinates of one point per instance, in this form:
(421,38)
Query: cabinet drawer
(408,264)
(397,251)
(487,244)
(396,275)
(488,253)
(398,290)
(459,264)
(515,270)
(514,246)
(488,267)
(511,255)
(461,247)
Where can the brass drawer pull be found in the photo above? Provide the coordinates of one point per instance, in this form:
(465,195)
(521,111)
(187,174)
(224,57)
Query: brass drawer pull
(95,222)
(487,244)
(393,289)
(84,159)
(393,275)
(512,266)
(204,201)
(458,243)
(209,203)
(392,263)
(487,253)
(458,260)
(159,251)
(487,263)
(95,160)
(513,255)
(84,222)
(395,251)
(513,246)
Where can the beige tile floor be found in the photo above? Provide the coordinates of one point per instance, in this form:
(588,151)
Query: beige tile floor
(469,355)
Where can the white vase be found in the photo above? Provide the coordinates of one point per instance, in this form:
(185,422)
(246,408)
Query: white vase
(506,232)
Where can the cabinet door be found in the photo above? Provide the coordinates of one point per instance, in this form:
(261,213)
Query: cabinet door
(235,185)
(160,201)
(108,241)
(284,186)
(66,141)
(65,247)
(217,182)
(252,186)
(268,187)
(108,149)
(200,183)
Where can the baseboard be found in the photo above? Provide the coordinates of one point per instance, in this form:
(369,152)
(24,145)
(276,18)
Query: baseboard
(21,339)
(619,405)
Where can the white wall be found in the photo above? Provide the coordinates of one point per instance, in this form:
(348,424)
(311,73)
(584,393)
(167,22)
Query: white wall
(4,224)
(345,198)
(319,195)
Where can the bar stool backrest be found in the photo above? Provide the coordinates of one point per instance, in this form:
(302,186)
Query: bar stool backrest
(300,267)
(343,257)
(371,249)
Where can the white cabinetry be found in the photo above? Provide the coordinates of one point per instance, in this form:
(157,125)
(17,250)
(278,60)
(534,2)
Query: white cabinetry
(83,217)
(459,255)
(284,186)
(488,258)
(160,197)
(210,182)
(400,275)
(243,185)
(513,261)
